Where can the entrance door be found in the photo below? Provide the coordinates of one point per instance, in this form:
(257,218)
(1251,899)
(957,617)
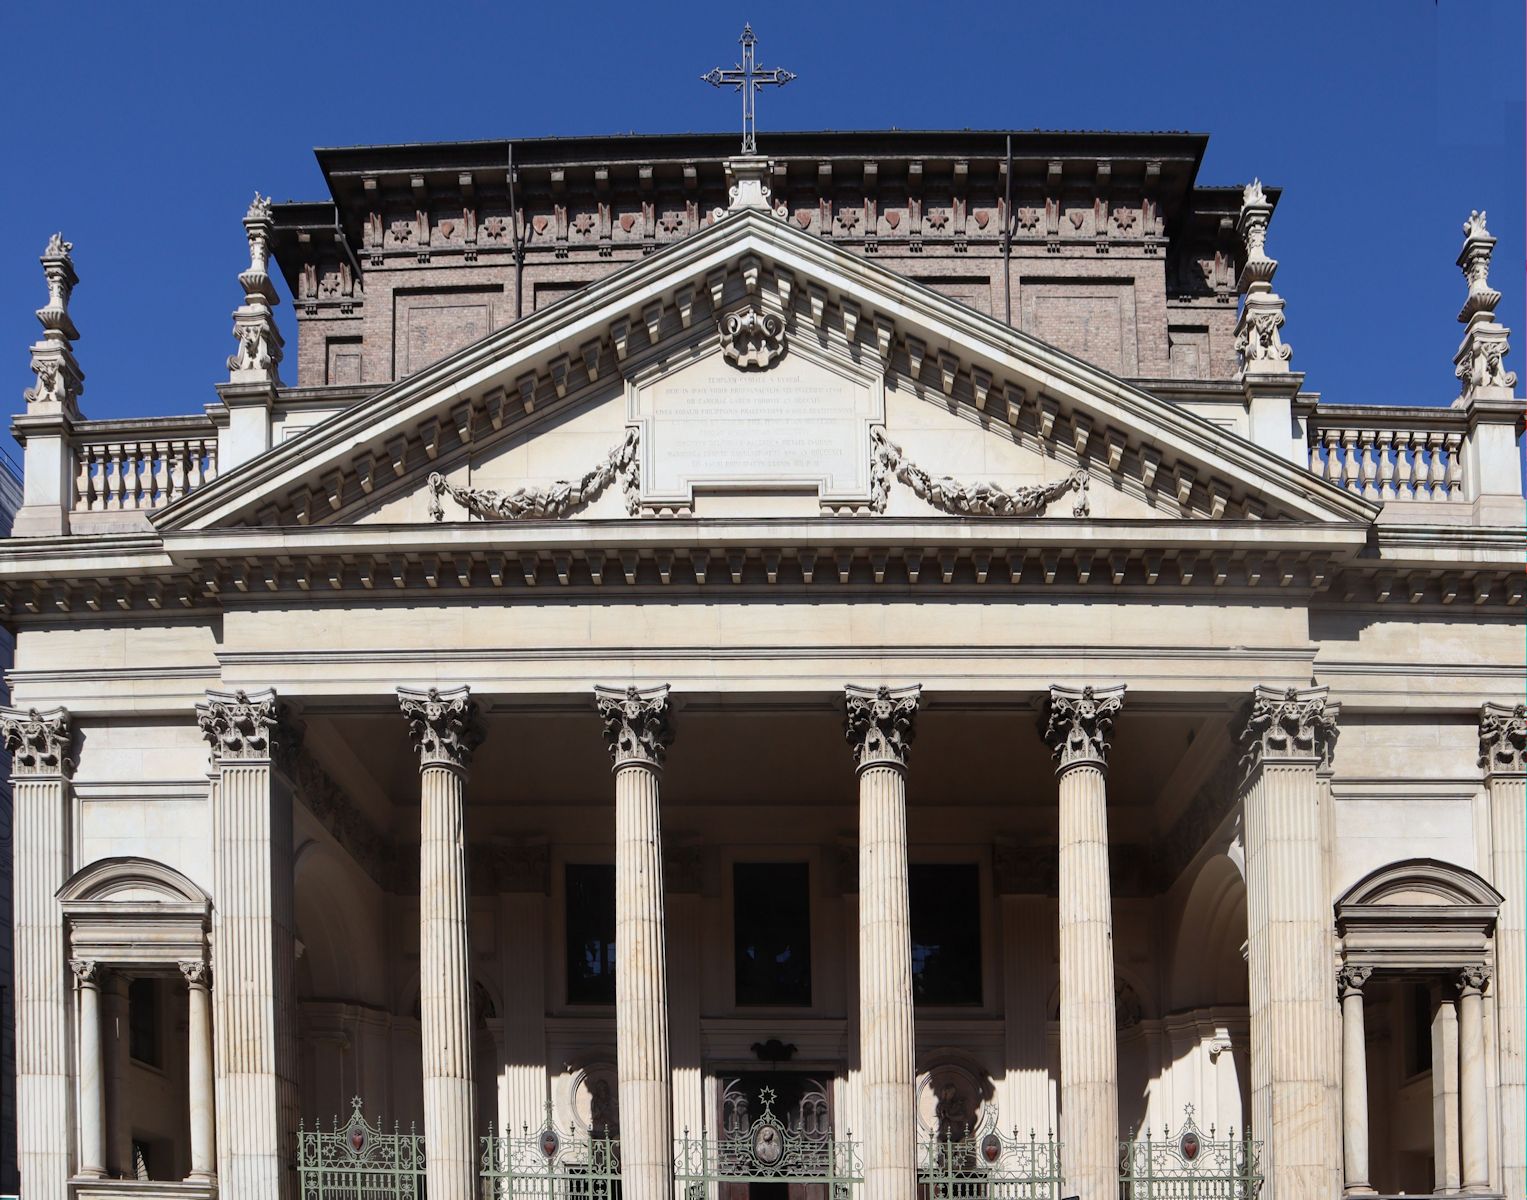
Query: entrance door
(801,1104)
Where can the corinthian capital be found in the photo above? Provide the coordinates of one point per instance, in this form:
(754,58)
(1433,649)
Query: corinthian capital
(881,723)
(444,725)
(1503,739)
(637,724)
(38,741)
(1077,724)
(1292,723)
(241,725)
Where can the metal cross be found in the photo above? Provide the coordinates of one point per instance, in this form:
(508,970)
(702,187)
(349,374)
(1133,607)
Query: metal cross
(749,79)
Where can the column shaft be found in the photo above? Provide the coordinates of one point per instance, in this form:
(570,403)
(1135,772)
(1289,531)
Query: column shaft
(92,1096)
(199,1074)
(1473,1109)
(114,1039)
(641,987)
(1354,1081)
(886,1045)
(1089,1069)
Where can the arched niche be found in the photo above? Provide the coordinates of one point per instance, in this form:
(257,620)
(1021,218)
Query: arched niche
(1208,968)
(1418,915)
(135,912)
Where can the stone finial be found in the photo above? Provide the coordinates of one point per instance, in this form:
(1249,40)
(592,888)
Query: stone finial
(39,742)
(445,726)
(1287,723)
(260,345)
(1258,339)
(1479,363)
(638,723)
(1350,977)
(880,723)
(60,381)
(1077,723)
(241,725)
(1503,739)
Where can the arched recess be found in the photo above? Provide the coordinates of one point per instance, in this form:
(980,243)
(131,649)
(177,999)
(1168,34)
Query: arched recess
(1207,965)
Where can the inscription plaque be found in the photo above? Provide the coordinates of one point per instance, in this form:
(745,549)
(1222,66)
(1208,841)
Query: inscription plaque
(797,426)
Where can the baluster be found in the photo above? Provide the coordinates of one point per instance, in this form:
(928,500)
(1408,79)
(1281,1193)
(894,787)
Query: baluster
(1404,455)
(174,452)
(130,479)
(1454,466)
(1351,461)
(1315,465)
(1333,457)
(1417,466)
(1370,451)
(1437,479)
(161,474)
(1384,444)
(114,477)
(209,448)
(195,481)
(81,478)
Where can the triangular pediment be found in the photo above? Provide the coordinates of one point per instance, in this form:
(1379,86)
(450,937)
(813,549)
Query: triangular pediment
(755,370)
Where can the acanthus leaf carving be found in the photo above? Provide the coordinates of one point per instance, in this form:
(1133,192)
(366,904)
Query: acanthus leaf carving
(444,725)
(553,500)
(241,725)
(1077,724)
(1503,739)
(986,499)
(39,742)
(1287,724)
(638,726)
(880,723)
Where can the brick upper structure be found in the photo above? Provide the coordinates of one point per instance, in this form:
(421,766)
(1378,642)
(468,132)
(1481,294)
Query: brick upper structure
(1102,244)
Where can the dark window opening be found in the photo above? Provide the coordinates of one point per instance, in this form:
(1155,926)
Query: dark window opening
(590,933)
(771,926)
(1422,1017)
(945,901)
(143,1021)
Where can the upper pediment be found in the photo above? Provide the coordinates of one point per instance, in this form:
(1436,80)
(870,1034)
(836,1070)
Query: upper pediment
(753,370)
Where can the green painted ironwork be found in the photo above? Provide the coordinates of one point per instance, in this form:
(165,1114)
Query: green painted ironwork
(359,1160)
(767,1151)
(1190,1165)
(989,1166)
(550,1164)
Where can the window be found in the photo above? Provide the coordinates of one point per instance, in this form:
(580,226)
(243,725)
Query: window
(771,927)
(946,933)
(590,933)
(143,1021)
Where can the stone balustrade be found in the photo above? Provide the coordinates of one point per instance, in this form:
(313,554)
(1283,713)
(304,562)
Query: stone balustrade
(141,465)
(1391,454)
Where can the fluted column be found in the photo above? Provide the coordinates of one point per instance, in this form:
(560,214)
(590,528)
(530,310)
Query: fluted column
(1503,755)
(1077,725)
(199,1072)
(91,1069)
(445,730)
(39,744)
(638,730)
(253,944)
(1473,1104)
(1354,1078)
(1287,739)
(880,727)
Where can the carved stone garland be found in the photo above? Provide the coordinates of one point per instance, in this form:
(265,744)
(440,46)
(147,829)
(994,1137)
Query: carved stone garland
(637,725)
(556,499)
(966,499)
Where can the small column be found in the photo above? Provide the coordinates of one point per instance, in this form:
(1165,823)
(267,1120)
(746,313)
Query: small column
(445,732)
(1287,738)
(1076,727)
(253,944)
(1503,755)
(92,1095)
(39,743)
(1354,1078)
(638,729)
(1473,1105)
(880,728)
(199,1072)
(115,1045)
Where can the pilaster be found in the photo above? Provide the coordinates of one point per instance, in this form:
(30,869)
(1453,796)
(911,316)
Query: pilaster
(1287,737)
(41,768)
(253,944)
(1077,725)
(445,730)
(880,726)
(638,730)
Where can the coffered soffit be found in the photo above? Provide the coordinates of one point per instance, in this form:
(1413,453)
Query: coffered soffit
(856,312)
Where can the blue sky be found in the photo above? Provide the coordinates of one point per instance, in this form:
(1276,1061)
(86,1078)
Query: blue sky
(142,130)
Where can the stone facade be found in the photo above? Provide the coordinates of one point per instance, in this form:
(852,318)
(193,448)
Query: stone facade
(747,459)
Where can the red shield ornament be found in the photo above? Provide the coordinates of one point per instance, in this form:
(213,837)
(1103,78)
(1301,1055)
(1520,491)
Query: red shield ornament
(550,1142)
(1190,1146)
(357,1140)
(991,1147)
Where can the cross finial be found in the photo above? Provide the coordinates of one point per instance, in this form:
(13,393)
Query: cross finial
(749,79)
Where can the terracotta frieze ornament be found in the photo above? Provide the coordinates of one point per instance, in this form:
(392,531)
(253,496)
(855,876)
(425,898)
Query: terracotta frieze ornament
(1291,723)
(980,499)
(241,725)
(638,723)
(444,725)
(1077,724)
(880,723)
(38,742)
(1503,739)
(553,500)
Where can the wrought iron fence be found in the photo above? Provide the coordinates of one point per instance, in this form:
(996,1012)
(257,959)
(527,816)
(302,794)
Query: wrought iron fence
(359,1160)
(767,1151)
(1190,1165)
(989,1166)
(549,1164)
